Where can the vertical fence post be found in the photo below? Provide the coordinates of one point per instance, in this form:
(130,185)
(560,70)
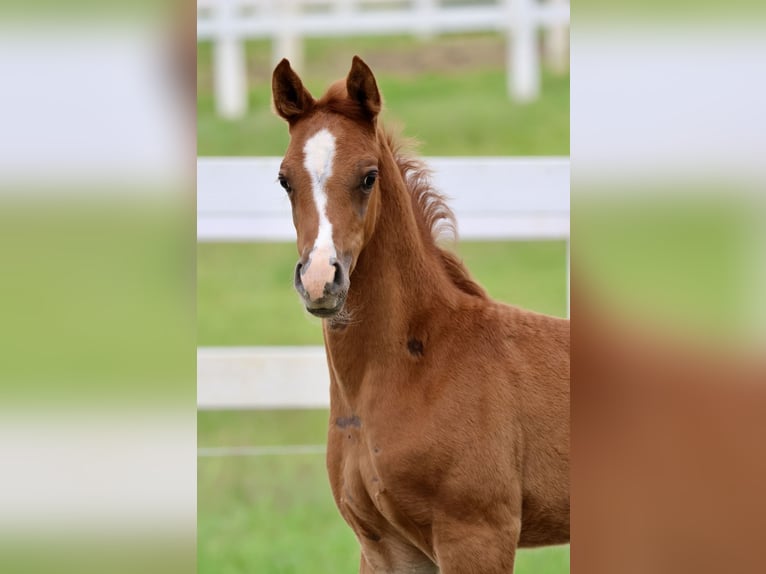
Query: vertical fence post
(424,17)
(344,7)
(569,276)
(230,68)
(288,42)
(556,42)
(523,60)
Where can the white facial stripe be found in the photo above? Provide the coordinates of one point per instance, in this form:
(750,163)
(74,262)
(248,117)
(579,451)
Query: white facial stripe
(319,153)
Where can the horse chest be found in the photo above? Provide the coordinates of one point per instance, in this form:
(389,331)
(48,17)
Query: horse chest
(375,496)
(358,478)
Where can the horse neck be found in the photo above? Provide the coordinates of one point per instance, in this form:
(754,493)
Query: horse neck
(399,283)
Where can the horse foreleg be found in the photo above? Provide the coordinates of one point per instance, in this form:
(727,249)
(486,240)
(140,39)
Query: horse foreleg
(484,547)
(396,557)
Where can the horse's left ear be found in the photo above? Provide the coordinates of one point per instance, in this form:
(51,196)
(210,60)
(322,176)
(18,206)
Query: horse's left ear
(363,89)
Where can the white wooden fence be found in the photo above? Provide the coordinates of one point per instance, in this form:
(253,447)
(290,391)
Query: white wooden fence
(286,22)
(239,199)
(262,378)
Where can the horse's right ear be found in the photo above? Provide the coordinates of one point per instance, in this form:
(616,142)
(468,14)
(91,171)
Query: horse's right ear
(291,99)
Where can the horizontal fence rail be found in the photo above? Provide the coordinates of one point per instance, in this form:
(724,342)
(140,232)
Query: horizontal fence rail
(239,199)
(262,378)
(250,18)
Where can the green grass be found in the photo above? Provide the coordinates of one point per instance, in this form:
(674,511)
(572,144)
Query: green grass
(245,294)
(272,515)
(253,511)
(261,428)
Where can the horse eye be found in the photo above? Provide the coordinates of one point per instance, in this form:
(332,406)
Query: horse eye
(284,183)
(369,180)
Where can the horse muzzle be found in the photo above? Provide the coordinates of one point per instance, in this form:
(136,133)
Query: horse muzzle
(322,282)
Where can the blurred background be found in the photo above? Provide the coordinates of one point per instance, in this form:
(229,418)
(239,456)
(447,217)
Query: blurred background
(97,252)
(484,86)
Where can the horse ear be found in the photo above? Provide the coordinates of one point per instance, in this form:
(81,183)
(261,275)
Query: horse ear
(362,88)
(291,99)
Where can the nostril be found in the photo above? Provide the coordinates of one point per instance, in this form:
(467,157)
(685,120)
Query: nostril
(297,278)
(338,277)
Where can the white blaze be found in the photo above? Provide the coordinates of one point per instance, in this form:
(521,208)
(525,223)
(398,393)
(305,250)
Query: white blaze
(319,153)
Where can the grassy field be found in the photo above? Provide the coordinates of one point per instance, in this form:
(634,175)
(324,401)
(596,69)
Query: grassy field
(275,514)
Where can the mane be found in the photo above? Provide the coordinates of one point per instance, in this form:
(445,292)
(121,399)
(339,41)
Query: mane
(435,218)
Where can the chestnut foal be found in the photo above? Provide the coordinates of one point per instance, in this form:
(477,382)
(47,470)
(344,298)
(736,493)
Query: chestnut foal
(448,443)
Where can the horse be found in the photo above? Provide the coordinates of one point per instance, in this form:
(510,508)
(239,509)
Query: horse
(448,438)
